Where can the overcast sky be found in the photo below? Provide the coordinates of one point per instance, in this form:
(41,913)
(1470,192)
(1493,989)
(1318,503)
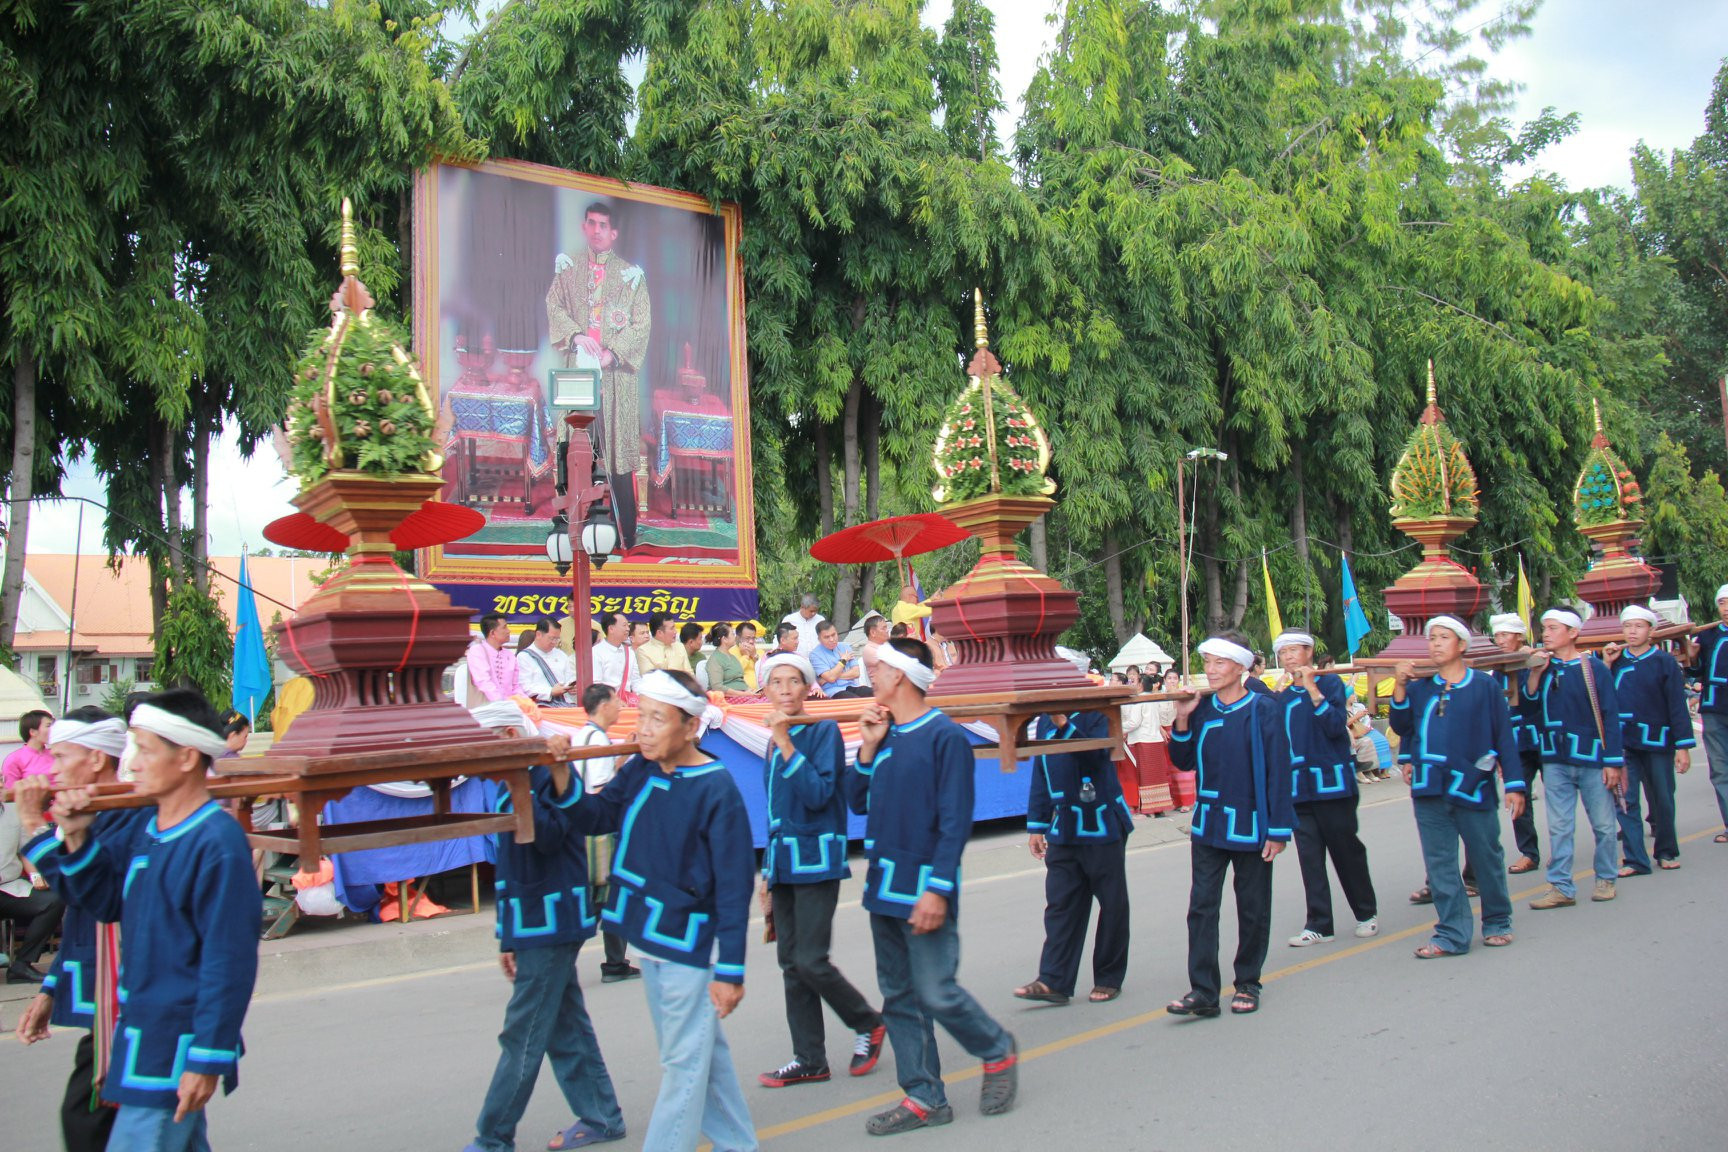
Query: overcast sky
(1632,69)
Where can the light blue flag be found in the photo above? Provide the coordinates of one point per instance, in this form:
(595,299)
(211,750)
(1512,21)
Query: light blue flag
(1356,626)
(251,662)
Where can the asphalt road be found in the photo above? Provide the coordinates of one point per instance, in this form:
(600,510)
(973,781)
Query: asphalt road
(1599,1029)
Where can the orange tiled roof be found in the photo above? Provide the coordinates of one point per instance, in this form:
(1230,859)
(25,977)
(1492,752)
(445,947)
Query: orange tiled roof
(114,607)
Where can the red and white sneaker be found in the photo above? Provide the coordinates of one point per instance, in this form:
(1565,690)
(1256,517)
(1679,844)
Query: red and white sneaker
(788,1075)
(866,1050)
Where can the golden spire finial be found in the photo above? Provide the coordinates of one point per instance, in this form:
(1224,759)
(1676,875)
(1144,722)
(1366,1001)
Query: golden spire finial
(350,251)
(1430,383)
(1596,414)
(980,334)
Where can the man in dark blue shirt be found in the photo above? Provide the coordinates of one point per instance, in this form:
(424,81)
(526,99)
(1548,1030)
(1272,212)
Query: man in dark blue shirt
(1078,824)
(1709,666)
(1233,740)
(1578,714)
(1656,730)
(914,782)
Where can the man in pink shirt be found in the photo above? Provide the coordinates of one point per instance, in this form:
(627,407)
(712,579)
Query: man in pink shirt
(492,670)
(33,758)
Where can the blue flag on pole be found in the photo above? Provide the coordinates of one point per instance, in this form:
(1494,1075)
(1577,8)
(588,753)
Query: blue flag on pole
(1356,626)
(251,663)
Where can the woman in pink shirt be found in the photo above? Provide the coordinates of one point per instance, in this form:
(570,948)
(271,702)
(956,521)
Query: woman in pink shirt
(33,758)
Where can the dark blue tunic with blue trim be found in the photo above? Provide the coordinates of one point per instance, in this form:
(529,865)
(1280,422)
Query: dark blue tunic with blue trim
(543,885)
(1241,788)
(1566,720)
(916,794)
(1453,735)
(1652,694)
(1711,669)
(71,979)
(190,911)
(1057,806)
(1322,767)
(806,812)
(685,866)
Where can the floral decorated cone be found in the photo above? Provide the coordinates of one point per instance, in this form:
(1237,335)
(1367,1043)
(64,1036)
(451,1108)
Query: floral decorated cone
(1004,616)
(1434,501)
(1607,503)
(374,640)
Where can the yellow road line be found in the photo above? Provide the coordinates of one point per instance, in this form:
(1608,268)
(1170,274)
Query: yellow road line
(885,1099)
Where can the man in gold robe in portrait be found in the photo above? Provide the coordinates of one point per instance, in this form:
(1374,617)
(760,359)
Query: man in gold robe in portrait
(599,316)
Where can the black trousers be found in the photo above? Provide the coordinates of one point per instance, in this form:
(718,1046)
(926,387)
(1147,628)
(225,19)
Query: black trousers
(803,930)
(1074,876)
(624,507)
(1253,885)
(1524,827)
(615,960)
(39,913)
(1328,828)
(83,1127)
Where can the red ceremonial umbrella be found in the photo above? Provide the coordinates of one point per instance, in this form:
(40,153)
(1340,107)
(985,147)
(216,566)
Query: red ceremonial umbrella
(892,539)
(434,522)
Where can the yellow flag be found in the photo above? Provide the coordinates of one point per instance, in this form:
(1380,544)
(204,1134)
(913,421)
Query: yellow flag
(1526,604)
(1273,619)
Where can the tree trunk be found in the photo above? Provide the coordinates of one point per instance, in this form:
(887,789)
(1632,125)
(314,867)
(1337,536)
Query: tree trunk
(23,489)
(165,446)
(201,502)
(1038,542)
(850,472)
(1210,567)
(405,245)
(1299,529)
(1113,589)
(871,432)
(154,550)
(1240,608)
(824,481)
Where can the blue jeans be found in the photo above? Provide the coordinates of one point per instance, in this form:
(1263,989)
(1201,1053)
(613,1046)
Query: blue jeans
(546,1018)
(138,1129)
(1653,772)
(699,1092)
(916,976)
(1566,785)
(1441,825)
(1716,748)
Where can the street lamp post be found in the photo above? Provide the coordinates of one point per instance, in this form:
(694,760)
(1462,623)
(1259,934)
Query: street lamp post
(596,537)
(1182,537)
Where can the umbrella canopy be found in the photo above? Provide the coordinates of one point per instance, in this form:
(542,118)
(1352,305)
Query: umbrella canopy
(434,522)
(892,539)
(1140,651)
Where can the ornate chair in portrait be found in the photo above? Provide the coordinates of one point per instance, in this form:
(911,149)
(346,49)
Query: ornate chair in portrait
(690,443)
(500,443)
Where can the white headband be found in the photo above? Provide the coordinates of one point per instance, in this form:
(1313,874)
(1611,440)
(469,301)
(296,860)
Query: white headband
(1453,625)
(1562,616)
(1508,622)
(785,660)
(657,685)
(178,730)
(914,671)
(504,714)
(1290,639)
(1228,650)
(107,736)
(1639,612)
(1722,593)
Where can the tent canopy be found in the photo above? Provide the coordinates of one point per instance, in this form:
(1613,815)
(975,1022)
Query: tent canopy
(1140,651)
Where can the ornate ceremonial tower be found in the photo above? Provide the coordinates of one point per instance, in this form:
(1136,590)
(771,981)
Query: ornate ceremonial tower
(1003,617)
(1434,501)
(1606,503)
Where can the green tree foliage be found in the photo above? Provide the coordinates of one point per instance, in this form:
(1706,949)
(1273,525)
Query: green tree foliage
(193,647)
(1687,523)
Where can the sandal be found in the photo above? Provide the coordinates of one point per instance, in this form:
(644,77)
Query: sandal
(1192,1005)
(1721,838)
(579,1135)
(1245,1001)
(1470,889)
(1422,895)
(1040,991)
(1103,994)
(1499,940)
(1627,870)
(1522,865)
(1667,865)
(1431,952)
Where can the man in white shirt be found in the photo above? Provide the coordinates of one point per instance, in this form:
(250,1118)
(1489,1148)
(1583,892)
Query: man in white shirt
(602,705)
(543,671)
(875,635)
(612,660)
(805,620)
